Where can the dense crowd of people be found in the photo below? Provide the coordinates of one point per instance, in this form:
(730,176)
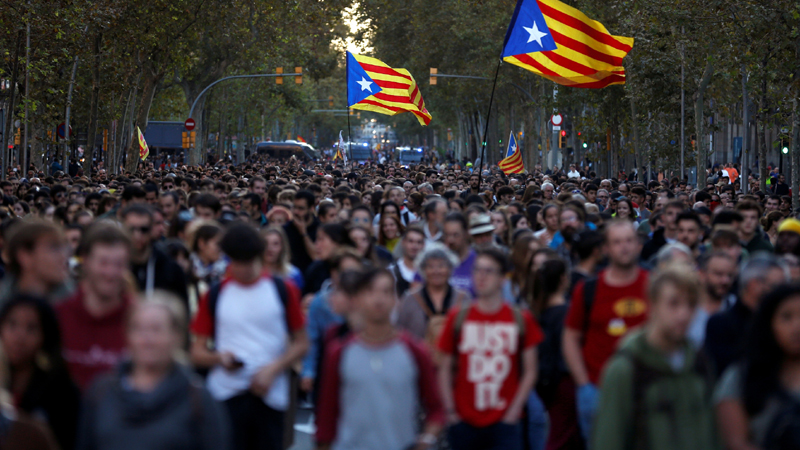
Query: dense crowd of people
(418,307)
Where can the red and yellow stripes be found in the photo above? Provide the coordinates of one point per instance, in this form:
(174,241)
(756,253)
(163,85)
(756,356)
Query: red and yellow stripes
(588,56)
(399,92)
(512,164)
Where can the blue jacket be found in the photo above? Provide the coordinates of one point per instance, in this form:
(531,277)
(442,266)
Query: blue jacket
(320,319)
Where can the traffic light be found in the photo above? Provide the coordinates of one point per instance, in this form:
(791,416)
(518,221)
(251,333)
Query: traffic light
(17,137)
(693,138)
(330,101)
(279,80)
(191,139)
(434,71)
(184,140)
(298,79)
(562,139)
(784,147)
(585,145)
(105,139)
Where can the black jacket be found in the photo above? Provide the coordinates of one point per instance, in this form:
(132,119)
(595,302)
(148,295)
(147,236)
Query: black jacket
(653,245)
(168,275)
(726,333)
(52,395)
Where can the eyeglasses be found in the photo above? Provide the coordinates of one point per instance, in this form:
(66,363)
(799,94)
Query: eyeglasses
(143,229)
(485,271)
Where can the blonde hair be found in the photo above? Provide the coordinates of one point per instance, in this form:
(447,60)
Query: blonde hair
(283,264)
(175,310)
(677,275)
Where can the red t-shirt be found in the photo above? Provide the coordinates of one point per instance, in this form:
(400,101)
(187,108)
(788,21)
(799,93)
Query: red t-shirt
(488,361)
(90,345)
(615,311)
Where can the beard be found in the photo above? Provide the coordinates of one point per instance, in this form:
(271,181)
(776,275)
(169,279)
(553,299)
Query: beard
(568,233)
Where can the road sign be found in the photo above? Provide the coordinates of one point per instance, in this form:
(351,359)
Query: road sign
(60,130)
(556,128)
(556,119)
(189,124)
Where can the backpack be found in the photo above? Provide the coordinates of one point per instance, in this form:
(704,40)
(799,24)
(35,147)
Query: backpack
(645,376)
(280,285)
(589,289)
(784,429)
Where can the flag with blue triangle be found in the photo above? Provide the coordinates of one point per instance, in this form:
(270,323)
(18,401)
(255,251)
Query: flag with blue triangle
(512,163)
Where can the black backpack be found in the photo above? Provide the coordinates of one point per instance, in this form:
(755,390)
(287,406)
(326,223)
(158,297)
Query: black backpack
(589,288)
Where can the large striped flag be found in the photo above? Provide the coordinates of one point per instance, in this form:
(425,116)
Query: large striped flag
(374,86)
(512,163)
(564,45)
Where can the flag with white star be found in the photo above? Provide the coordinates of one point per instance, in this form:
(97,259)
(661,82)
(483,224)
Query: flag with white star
(374,86)
(564,45)
(512,163)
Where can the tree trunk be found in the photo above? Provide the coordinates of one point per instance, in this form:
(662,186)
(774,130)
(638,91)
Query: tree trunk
(795,154)
(699,122)
(95,99)
(8,134)
(762,114)
(151,82)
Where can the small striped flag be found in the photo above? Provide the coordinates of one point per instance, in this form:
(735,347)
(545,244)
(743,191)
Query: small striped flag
(374,86)
(564,45)
(512,163)
(144,150)
(340,149)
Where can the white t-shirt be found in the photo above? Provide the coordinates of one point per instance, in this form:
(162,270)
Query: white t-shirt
(251,324)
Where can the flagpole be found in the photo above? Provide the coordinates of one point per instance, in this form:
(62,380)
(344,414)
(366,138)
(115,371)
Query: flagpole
(486,128)
(349,138)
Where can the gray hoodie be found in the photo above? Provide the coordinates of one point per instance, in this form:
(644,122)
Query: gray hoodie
(178,414)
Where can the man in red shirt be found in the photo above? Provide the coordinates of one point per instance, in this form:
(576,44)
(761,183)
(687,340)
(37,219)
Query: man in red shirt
(616,305)
(93,319)
(488,362)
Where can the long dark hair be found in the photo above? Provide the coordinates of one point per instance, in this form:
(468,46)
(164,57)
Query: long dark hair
(548,280)
(48,322)
(763,356)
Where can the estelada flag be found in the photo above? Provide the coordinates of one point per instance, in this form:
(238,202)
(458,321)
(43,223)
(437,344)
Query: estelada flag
(300,139)
(512,163)
(143,149)
(564,45)
(374,86)
(339,148)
